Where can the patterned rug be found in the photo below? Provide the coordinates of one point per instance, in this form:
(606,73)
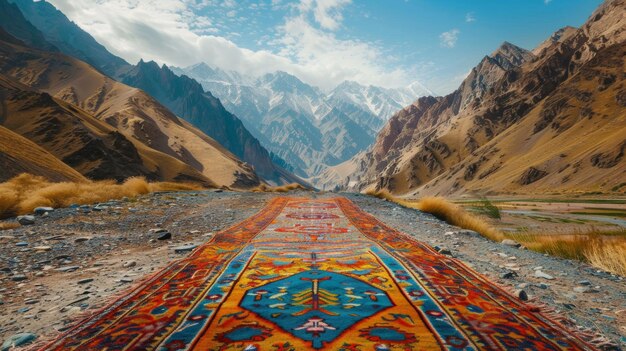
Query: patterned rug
(316,275)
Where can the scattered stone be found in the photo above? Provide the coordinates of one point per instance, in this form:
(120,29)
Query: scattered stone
(126,280)
(584,283)
(31,301)
(18,340)
(541,274)
(42,248)
(40,274)
(509,242)
(18,278)
(40,211)
(521,294)
(184,248)
(582,289)
(165,236)
(26,220)
(21,244)
(130,264)
(85,281)
(508,275)
(81,239)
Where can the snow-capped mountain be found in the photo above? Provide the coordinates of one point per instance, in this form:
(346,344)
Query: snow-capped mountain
(308,128)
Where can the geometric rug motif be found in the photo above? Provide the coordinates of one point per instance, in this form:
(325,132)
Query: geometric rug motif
(320,274)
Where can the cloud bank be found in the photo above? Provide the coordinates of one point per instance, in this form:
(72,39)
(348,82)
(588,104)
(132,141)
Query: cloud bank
(171,31)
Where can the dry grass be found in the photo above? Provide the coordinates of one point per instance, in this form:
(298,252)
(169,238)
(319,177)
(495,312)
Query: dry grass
(263,188)
(447,211)
(602,249)
(21,194)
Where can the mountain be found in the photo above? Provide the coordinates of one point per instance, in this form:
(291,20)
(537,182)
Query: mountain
(187,98)
(14,23)
(102,128)
(182,96)
(550,120)
(290,117)
(68,37)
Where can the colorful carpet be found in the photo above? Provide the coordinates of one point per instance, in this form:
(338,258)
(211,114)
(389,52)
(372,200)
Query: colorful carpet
(316,275)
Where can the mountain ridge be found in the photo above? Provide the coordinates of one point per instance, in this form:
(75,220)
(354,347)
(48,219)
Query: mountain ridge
(524,122)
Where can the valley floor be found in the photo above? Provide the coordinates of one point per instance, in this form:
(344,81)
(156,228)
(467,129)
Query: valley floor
(72,261)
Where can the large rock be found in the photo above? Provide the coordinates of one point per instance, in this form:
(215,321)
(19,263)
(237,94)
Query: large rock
(18,340)
(26,220)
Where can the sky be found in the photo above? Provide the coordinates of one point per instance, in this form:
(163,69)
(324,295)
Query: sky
(389,43)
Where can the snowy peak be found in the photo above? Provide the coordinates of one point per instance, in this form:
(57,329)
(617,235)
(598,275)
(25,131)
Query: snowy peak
(304,126)
(382,102)
(284,82)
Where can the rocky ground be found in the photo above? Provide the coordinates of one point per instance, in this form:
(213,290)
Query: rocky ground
(72,260)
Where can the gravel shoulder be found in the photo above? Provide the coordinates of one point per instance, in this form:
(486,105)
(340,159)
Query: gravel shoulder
(73,260)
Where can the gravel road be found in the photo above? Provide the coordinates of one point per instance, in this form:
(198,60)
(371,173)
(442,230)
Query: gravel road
(72,260)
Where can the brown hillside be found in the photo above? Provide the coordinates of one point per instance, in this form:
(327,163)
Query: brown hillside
(142,136)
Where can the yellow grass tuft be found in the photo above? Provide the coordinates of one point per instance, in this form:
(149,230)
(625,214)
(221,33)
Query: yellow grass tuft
(447,211)
(263,188)
(603,249)
(611,258)
(21,194)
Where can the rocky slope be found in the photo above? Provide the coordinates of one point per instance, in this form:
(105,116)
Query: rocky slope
(103,128)
(181,95)
(291,118)
(544,121)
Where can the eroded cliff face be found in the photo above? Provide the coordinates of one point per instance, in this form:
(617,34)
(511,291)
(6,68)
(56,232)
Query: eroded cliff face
(542,121)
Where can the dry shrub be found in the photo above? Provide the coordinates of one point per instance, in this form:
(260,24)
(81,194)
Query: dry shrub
(447,211)
(263,188)
(24,192)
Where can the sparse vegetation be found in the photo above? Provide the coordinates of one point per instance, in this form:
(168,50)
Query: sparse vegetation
(25,192)
(601,248)
(485,207)
(263,188)
(447,211)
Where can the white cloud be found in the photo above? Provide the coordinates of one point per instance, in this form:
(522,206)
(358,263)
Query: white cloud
(304,45)
(448,39)
(470,17)
(547,1)
(327,13)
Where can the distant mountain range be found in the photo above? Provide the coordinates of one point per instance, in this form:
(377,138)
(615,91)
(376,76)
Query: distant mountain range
(306,127)
(41,26)
(551,120)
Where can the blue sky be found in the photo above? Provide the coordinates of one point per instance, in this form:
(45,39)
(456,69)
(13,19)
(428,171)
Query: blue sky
(382,42)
